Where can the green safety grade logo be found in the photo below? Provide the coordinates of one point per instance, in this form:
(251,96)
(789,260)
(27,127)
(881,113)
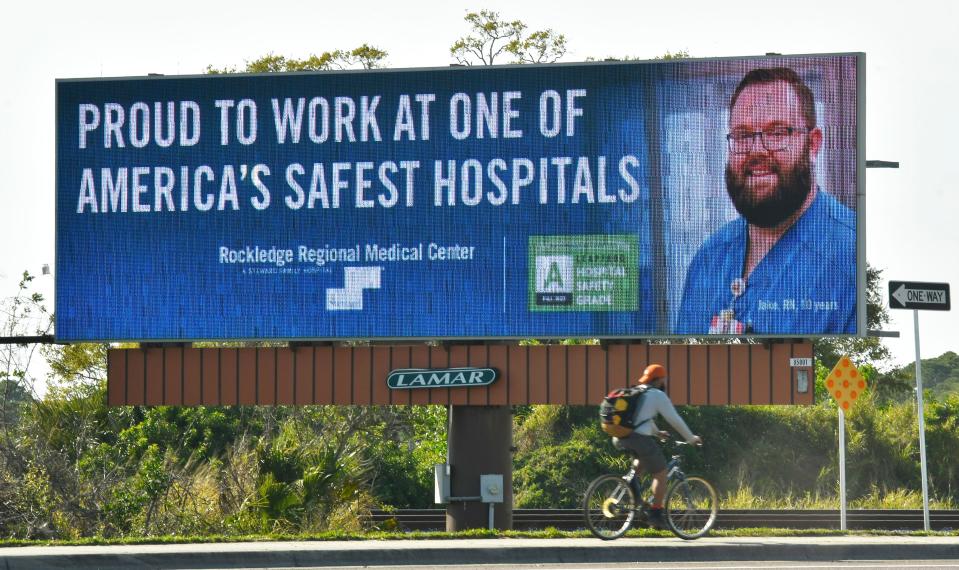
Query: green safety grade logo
(583,273)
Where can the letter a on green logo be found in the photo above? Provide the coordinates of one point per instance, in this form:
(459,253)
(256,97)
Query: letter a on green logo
(554,277)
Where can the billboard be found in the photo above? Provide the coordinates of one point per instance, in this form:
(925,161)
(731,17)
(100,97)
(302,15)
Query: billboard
(616,199)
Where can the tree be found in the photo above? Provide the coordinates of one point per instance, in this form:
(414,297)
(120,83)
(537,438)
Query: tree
(865,349)
(364,57)
(681,54)
(669,55)
(491,37)
(24,315)
(543,46)
(12,397)
(74,365)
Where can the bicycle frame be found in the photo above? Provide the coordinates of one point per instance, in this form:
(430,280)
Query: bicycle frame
(674,472)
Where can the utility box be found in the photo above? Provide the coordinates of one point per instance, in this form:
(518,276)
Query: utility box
(491,488)
(441,483)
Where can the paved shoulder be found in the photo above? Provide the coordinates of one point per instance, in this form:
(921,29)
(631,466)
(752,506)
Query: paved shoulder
(477,551)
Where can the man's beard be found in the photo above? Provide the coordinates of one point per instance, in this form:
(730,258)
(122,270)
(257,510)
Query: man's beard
(786,198)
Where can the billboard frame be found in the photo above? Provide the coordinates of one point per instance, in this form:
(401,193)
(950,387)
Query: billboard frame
(860,194)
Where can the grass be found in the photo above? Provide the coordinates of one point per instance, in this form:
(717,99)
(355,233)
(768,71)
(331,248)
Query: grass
(550,533)
(746,498)
(741,499)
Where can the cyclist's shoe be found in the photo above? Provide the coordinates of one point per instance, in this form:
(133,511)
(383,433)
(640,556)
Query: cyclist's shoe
(656,519)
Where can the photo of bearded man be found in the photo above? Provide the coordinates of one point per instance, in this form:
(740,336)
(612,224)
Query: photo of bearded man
(787,264)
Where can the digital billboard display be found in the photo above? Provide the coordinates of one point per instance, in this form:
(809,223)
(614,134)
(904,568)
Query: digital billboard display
(615,199)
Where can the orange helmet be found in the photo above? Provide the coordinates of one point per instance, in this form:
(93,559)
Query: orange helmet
(653,372)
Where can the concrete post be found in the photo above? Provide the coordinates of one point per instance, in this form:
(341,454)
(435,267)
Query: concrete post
(479,443)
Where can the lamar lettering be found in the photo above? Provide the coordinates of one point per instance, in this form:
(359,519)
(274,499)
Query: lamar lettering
(449,378)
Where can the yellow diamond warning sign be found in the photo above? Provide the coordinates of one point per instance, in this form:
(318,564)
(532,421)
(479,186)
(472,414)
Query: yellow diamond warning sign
(845,383)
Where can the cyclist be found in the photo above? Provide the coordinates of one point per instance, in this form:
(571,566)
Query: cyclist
(642,443)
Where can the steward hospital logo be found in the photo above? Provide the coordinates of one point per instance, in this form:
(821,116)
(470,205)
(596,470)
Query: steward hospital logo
(350,296)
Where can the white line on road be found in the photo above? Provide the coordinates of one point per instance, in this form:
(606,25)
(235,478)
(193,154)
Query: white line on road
(673,566)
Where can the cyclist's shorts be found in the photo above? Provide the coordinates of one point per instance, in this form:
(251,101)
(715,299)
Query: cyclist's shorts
(645,448)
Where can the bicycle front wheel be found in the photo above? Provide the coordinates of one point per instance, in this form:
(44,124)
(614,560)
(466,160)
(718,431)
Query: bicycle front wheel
(609,507)
(691,507)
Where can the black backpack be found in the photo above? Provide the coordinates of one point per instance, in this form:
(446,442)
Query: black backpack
(618,408)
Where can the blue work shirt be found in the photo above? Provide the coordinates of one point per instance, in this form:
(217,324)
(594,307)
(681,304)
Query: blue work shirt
(806,284)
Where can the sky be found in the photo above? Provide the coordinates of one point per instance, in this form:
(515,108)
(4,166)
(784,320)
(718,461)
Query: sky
(911,87)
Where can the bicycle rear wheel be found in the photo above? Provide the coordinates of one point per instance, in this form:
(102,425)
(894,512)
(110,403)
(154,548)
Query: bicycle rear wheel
(691,507)
(609,507)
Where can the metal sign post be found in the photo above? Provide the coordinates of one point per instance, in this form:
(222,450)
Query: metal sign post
(922,428)
(920,296)
(845,384)
(842,469)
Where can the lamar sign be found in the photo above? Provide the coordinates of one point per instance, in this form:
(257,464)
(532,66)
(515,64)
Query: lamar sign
(407,378)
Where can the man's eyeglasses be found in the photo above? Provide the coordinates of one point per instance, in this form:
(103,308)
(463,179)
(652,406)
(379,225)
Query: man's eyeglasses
(773,139)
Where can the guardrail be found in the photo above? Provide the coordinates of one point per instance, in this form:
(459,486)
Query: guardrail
(572,519)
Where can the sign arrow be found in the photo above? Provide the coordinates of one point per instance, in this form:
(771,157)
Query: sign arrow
(912,295)
(900,294)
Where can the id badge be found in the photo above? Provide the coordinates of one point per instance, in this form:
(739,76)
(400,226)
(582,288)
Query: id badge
(725,323)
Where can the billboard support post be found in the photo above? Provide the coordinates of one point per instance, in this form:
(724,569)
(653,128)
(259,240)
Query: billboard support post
(479,442)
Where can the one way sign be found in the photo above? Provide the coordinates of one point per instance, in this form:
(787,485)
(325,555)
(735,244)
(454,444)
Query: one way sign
(916,295)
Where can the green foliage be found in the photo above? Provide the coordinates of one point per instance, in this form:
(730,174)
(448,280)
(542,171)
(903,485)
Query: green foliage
(559,450)
(551,533)
(13,397)
(669,55)
(76,364)
(406,442)
(757,456)
(541,46)
(130,506)
(75,467)
(364,56)
(197,433)
(548,477)
(23,314)
(942,441)
(866,349)
(26,501)
(303,478)
(771,449)
(940,375)
(491,37)
(681,54)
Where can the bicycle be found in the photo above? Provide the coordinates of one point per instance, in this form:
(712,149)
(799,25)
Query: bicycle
(613,504)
